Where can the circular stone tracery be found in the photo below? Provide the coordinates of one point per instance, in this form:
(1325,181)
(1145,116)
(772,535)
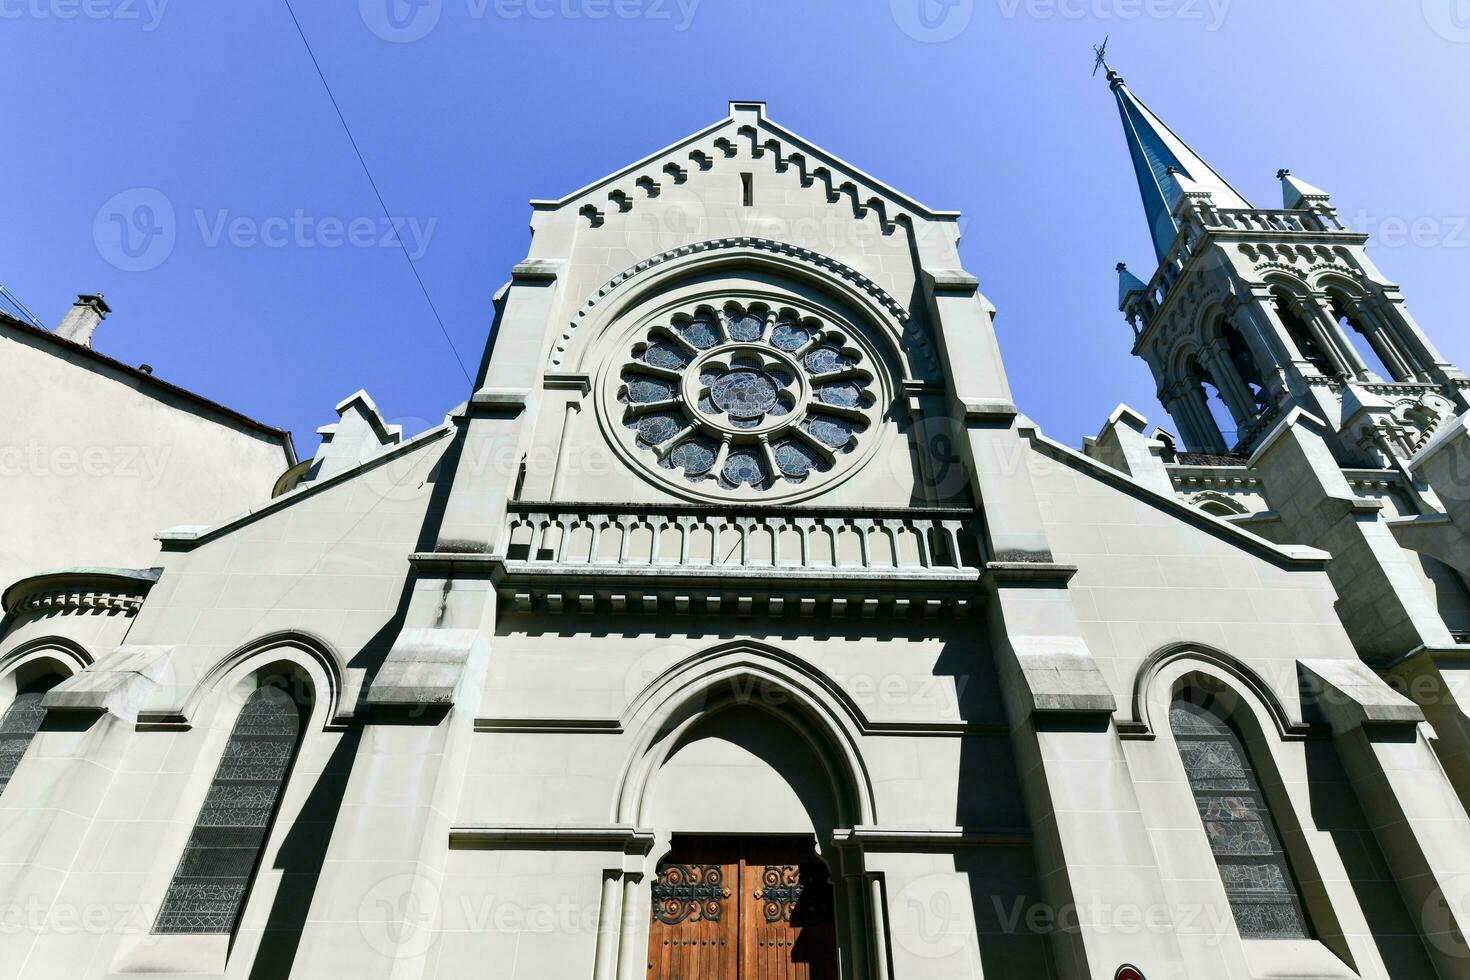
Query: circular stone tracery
(746,398)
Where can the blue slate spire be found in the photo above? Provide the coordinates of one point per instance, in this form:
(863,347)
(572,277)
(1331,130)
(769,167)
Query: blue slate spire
(1156,150)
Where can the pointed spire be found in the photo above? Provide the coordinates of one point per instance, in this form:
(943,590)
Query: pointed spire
(1156,150)
(1295,194)
(1128,285)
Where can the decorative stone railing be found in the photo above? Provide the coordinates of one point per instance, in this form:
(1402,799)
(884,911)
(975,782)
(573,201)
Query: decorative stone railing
(914,541)
(1200,218)
(1261,219)
(680,558)
(81,590)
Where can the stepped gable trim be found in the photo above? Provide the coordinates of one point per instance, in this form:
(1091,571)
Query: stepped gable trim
(702,157)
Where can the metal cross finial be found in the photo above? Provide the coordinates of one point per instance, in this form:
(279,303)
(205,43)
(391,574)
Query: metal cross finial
(1101,50)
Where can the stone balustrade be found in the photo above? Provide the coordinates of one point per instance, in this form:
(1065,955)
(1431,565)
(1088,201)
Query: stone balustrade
(913,541)
(629,558)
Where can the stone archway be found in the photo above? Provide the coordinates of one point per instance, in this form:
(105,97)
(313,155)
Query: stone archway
(759,720)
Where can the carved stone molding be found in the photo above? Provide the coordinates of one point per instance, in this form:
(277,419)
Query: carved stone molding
(103,590)
(912,333)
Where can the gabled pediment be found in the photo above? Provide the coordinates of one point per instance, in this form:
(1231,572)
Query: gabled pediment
(746,134)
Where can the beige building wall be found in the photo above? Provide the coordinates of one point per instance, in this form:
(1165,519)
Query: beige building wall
(97,457)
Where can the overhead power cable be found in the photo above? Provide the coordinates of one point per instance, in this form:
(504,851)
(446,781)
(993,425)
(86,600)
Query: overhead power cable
(413,267)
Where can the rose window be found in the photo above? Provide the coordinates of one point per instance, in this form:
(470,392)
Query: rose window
(746,398)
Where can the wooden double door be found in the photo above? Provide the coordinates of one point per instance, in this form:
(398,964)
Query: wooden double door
(742,909)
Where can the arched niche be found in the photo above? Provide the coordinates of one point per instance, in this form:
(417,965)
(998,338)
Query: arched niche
(743,770)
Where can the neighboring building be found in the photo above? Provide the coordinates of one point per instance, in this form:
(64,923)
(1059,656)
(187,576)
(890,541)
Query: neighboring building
(738,625)
(97,456)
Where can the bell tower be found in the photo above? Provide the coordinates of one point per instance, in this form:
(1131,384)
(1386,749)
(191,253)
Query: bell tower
(1254,312)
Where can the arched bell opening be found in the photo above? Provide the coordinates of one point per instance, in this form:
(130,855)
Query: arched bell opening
(1301,333)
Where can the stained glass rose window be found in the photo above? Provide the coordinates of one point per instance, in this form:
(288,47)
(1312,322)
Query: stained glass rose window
(746,398)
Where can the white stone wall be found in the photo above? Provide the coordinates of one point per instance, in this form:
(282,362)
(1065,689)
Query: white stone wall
(94,463)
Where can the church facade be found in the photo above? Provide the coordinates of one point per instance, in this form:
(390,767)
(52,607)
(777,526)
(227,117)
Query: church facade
(739,624)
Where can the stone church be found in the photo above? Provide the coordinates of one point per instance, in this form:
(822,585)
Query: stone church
(738,624)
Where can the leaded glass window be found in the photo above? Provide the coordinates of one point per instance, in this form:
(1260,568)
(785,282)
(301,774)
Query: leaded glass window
(1243,835)
(209,887)
(20,723)
(747,399)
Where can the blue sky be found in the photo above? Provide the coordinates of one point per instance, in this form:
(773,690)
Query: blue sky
(277,295)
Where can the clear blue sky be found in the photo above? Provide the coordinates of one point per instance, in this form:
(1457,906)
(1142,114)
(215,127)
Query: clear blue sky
(213,109)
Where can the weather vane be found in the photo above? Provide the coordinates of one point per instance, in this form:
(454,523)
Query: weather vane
(1101,50)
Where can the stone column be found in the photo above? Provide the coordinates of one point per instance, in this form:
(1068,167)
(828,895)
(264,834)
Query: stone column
(1174,402)
(424,695)
(1391,309)
(1385,343)
(1059,705)
(1091,842)
(1233,389)
(1197,403)
(1421,827)
(1270,345)
(1324,330)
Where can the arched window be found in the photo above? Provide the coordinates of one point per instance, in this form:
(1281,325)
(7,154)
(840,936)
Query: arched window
(1218,411)
(1243,836)
(19,725)
(1301,334)
(213,878)
(1376,351)
(1245,363)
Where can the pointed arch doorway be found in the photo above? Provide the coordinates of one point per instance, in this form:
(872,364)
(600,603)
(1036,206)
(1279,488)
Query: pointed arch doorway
(742,908)
(745,761)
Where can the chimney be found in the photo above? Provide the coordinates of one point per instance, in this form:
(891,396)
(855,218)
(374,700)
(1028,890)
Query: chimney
(82,319)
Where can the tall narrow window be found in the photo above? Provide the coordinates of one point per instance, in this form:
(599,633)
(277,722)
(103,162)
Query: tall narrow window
(209,888)
(1243,836)
(19,725)
(747,189)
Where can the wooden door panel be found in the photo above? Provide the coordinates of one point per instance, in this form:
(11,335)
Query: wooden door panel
(788,929)
(695,922)
(757,909)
